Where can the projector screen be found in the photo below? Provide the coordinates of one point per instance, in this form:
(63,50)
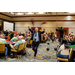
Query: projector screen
(8,26)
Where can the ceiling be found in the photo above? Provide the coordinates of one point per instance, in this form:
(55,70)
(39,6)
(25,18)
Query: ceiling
(36,13)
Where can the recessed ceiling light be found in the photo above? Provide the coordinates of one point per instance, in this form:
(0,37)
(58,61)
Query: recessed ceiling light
(34,13)
(12,13)
(46,12)
(71,12)
(29,13)
(40,12)
(24,13)
(20,13)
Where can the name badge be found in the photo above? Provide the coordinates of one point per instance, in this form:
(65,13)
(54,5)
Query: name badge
(35,37)
(0,42)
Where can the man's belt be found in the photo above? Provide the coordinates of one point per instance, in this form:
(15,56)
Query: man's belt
(36,41)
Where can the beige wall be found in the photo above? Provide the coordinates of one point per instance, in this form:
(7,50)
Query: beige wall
(34,18)
(21,26)
(44,18)
(0,21)
(5,17)
(70,25)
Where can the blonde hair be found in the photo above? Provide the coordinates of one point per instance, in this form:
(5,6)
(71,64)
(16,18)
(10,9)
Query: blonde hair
(36,28)
(1,36)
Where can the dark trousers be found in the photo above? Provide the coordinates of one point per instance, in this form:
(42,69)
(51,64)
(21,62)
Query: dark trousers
(35,47)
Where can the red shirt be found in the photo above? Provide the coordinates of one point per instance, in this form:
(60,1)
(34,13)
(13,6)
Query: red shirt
(59,35)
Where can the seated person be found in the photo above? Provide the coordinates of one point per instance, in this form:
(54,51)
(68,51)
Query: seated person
(63,51)
(44,36)
(6,33)
(14,38)
(62,44)
(3,41)
(15,46)
(23,40)
(28,38)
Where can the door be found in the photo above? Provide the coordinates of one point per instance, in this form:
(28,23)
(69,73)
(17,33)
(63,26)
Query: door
(65,32)
(32,28)
(0,28)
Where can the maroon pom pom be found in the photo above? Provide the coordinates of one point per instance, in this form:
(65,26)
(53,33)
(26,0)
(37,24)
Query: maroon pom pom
(44,22)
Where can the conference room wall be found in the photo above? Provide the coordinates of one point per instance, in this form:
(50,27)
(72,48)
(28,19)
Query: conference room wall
(44,18)
(22,26)
(34,18)
(0,21)
(70,25)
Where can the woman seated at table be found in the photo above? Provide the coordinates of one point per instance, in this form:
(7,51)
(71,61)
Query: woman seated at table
(14,38)
(63,51)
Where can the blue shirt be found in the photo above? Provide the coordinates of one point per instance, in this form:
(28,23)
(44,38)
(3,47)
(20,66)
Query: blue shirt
(17,44)
(37,37)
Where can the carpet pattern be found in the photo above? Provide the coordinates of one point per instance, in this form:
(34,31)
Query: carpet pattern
(42,55)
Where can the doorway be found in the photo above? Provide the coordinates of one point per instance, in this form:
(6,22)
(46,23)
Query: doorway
(32,28)
(65,32)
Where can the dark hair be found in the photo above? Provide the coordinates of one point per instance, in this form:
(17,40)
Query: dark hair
(22,34)
(61,27)
(66,46)
(0,32)
(64,41)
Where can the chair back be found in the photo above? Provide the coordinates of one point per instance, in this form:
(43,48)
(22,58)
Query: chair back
(8,38)
(20,47)
(25,45)
(70,54)
(30,42)
(45,38)
(2,48)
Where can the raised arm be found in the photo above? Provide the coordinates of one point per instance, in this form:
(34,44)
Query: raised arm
(43,31)
(30,29)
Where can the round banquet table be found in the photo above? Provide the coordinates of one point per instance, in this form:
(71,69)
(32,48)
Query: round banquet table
(7,45)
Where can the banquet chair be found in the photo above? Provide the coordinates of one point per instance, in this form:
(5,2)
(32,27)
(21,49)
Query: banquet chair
(66,59)
(8,38)
(2,48)
(45,40)
(20,48)
(30,43)
(23,52)
(25,45)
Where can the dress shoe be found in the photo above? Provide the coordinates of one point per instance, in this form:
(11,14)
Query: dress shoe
(34,57)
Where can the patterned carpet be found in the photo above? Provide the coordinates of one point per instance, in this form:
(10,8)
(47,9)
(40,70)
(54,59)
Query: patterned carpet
(42,56)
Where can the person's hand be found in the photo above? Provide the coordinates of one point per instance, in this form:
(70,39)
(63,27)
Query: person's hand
(43,28)
(58,45)
(28,26)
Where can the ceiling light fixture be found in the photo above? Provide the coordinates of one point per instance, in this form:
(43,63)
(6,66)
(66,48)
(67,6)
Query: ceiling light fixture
(20,13)
(30,13)
(40,12)
(71,12)
(12,13)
